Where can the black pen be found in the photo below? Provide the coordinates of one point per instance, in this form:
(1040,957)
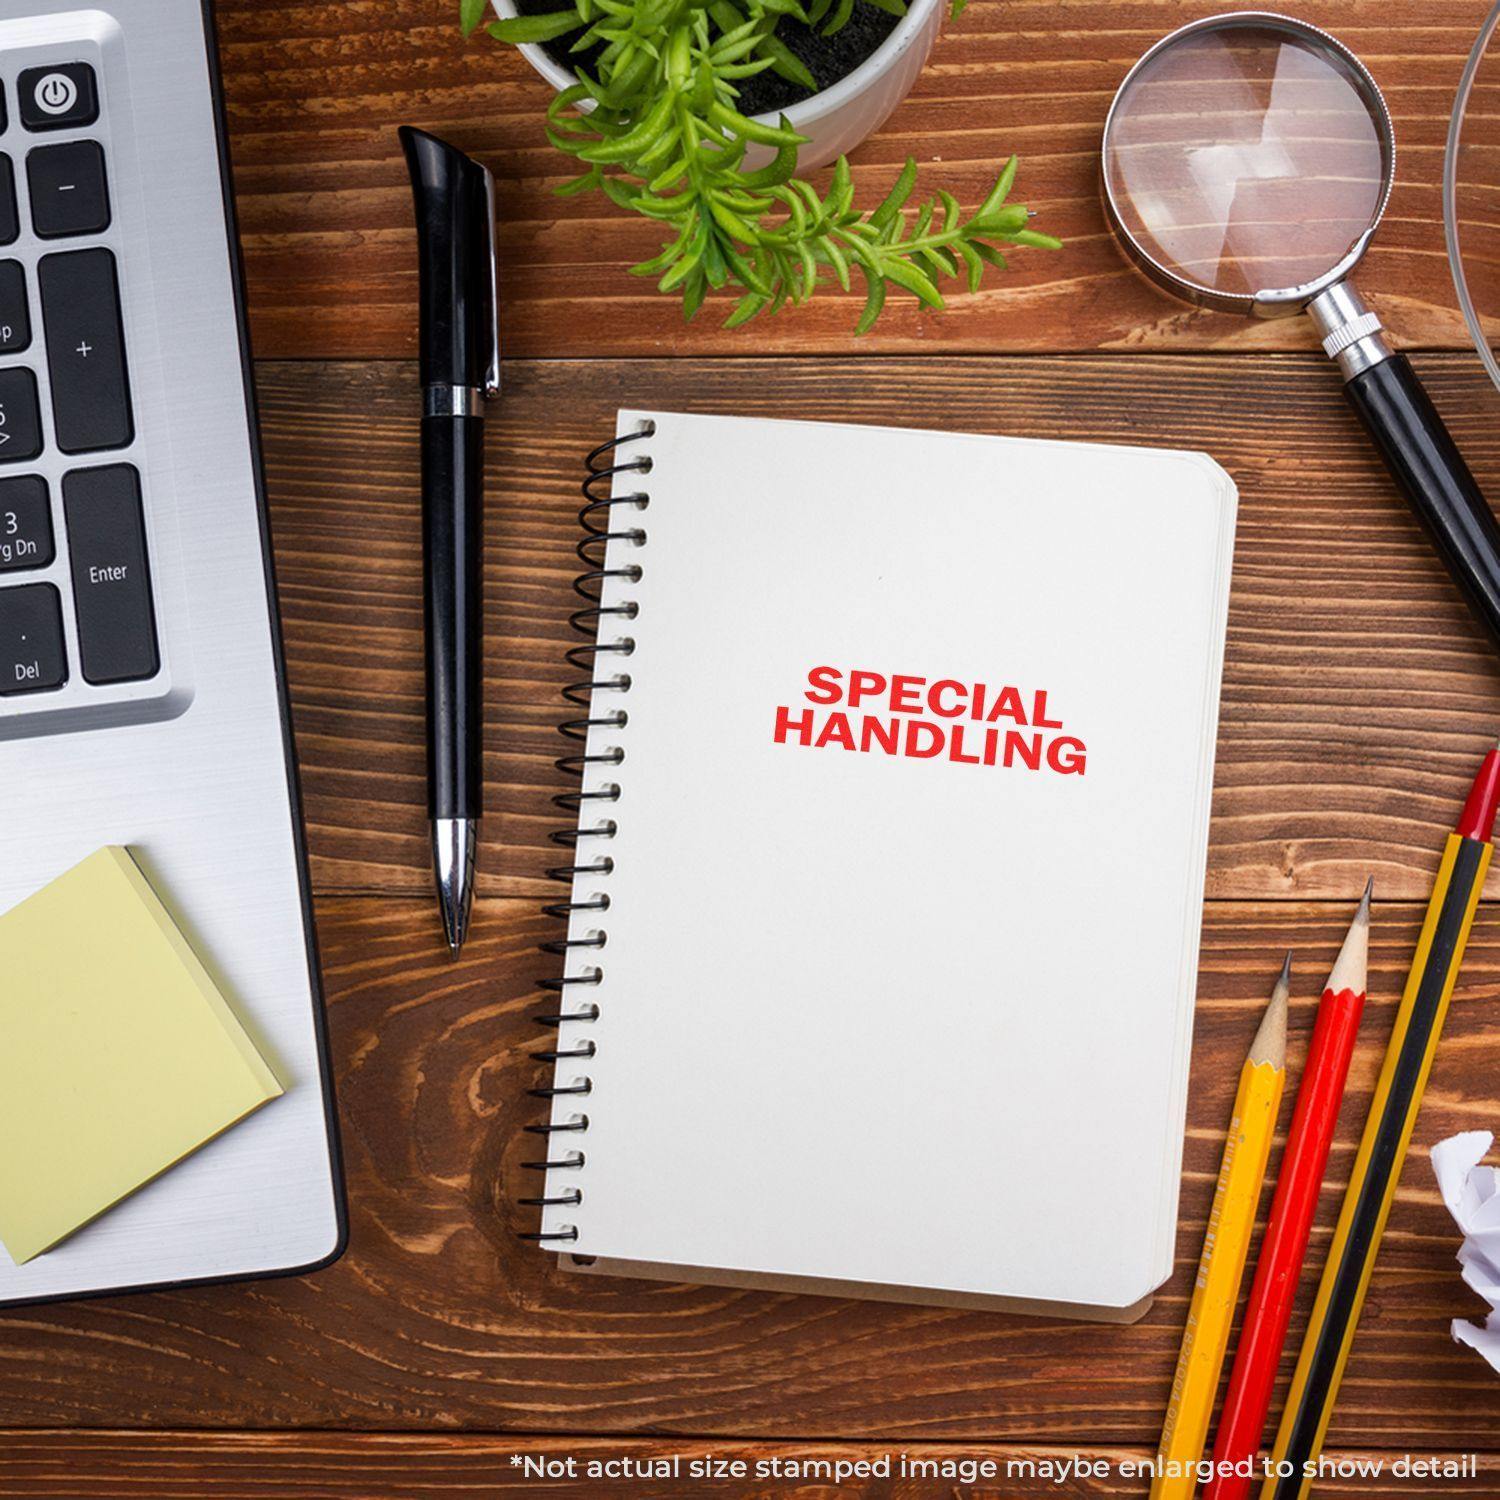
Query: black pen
(460,358)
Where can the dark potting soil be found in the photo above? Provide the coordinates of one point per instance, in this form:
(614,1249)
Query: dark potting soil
(827,58)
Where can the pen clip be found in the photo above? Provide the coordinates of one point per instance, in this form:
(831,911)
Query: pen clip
(492,374)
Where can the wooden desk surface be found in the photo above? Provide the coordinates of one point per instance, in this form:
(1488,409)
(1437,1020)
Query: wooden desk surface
(1357,699)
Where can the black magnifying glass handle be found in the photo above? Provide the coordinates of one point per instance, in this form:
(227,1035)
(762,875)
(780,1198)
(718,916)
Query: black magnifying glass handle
(1417,448)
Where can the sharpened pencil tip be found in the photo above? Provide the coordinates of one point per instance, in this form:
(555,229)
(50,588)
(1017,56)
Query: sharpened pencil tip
(1351,967)
(1269,1045)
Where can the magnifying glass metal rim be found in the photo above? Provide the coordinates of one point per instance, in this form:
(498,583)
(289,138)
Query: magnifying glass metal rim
(1271,302)
(1451,166)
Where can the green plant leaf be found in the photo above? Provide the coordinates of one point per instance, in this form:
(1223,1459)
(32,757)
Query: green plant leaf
(541,28)
(970,257)
(753,205)
(838,262)
(679,272)
(572,145)
(810,197)
(840,190)
(577,185)
(1037,241)
(1001,190)
(745,309)
(745,70)
(668,255)
(679,58)
(746,270)
(732,224)
(669,176)
(841,15)
(873,304)
(714,266)
(906,275)
(659,208)
(940,260)
(656,153)
(617,190)
(895,200)
(1010,219)
(776,171)
(809,270)
(752,130)
(470,14)
(786,62)
(636,140)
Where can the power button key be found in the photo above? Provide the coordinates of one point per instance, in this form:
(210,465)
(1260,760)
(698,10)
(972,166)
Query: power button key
(59,96)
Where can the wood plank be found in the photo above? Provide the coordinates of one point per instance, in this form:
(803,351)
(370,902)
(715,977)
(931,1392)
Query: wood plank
(398,1466)
(1358,695)
(315,93)
(439,1317)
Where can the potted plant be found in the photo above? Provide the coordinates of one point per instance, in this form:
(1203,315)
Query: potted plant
(696,112)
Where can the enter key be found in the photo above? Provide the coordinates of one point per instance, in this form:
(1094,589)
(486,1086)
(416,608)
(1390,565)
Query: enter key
(111,574)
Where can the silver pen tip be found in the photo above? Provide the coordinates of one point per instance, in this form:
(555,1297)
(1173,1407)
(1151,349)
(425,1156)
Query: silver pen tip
(455,926)
(454,845)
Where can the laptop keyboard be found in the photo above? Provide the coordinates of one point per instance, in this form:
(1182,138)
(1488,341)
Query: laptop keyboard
(76,599)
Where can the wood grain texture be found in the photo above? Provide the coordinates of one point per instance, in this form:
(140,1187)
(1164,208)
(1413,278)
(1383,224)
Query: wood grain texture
(390,1466)
(1358,695)
(316,90)
(1357,698)
(438,1318)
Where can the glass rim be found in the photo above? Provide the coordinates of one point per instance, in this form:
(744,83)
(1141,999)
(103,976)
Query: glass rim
(1450,195)
(1269,301)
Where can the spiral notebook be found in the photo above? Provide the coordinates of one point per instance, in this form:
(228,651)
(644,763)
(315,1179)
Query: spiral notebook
(896,765)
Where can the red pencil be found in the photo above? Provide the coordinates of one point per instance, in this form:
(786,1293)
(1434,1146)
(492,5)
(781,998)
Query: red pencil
(1279,1268)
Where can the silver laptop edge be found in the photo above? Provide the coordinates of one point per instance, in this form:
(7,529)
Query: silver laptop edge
(193,766)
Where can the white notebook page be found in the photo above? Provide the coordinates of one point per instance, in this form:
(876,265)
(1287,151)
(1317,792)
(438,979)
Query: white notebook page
(885,1017)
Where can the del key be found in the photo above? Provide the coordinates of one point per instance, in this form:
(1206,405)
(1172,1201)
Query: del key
(86,351)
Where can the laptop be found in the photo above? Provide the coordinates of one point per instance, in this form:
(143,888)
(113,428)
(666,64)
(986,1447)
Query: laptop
(142,690)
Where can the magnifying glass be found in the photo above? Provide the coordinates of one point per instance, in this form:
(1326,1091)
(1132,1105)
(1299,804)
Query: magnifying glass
(1247,161)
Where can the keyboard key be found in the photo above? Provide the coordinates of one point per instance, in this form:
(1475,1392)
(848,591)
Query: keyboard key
(58,96)
(10,215)
(25,524)
(86,351)
(111,575)
(32,655)
(69,194)
(15,311)
(20,417)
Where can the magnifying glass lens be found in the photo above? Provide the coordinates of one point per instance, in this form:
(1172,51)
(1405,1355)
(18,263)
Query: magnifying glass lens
(1246,159)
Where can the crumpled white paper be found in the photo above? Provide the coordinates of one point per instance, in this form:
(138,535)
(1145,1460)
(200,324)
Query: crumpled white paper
(1472,1193)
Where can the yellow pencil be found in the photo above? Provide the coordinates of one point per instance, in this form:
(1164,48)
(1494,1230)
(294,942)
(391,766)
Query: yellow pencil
(1225,1248)
(1383,1147)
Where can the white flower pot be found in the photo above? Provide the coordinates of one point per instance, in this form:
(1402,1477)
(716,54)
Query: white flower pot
(838,119)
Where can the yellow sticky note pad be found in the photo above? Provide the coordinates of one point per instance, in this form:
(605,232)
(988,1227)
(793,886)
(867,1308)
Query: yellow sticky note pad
(118,1054)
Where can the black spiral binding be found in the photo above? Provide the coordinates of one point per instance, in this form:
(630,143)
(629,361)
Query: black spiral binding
(596,518)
